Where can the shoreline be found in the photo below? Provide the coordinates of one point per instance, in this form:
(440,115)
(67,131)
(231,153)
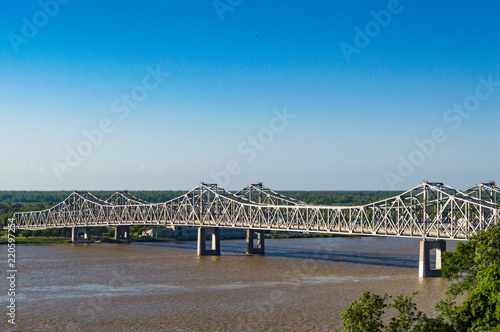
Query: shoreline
(62,240)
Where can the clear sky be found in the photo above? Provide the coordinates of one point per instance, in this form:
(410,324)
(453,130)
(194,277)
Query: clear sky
(325,95)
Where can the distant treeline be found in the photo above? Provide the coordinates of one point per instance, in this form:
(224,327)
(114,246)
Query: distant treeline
(55,197)
(340,197)
(20,201)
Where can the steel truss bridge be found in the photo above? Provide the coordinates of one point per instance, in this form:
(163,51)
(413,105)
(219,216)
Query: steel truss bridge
(430,210)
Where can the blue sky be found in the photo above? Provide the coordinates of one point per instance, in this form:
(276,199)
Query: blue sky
(236,92)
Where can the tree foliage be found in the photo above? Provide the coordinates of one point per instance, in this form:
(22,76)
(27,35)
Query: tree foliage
(340,197)
(367,315)
(407,315)
(481,308)
(474,269)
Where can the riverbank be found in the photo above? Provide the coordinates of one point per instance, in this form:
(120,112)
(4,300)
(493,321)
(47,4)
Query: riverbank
(37,240)
(95,239)
(103,239)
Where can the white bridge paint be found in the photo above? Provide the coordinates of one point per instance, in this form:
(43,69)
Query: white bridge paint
(427,211)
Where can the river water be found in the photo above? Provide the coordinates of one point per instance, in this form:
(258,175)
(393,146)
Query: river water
(299,285)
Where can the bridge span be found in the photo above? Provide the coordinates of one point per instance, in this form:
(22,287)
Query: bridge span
(432,211)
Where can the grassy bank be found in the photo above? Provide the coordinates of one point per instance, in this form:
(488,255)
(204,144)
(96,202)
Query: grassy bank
(37,240)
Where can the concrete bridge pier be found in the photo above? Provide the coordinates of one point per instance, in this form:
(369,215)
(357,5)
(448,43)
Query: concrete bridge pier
(424,269)
(251,249)
(122,232)
(202,241)
(80,235)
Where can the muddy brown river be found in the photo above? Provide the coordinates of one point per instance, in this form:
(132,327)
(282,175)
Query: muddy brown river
(299,285)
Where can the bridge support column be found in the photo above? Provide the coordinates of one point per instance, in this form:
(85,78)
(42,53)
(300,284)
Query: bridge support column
(122,232)
(424,269)
(80,235)
(202,241)
(251,250)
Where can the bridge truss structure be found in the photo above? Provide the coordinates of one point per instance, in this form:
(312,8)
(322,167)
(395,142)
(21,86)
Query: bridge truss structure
(430,210)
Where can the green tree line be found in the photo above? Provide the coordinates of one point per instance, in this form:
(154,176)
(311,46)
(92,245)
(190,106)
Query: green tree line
(54,197)
(340,197)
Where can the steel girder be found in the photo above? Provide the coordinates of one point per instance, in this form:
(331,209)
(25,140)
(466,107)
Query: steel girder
(261,194)
(124,198)
(485,191)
